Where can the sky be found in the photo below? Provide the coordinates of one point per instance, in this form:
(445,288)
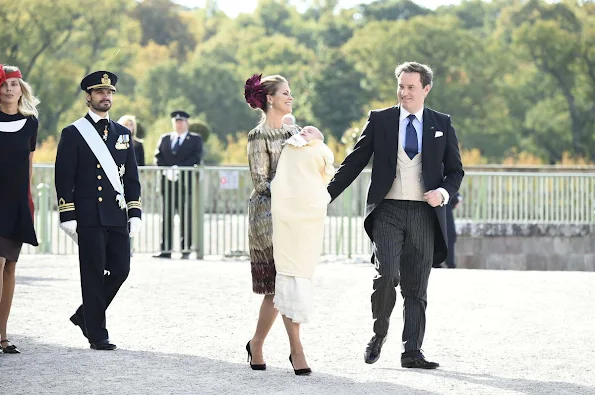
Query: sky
(234,7)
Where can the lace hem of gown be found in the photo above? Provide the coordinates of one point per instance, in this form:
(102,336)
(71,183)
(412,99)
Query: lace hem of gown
(294,297)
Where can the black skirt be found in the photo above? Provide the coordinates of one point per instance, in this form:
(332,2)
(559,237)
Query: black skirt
(10,249)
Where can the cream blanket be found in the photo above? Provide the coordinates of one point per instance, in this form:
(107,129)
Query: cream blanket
(299,201)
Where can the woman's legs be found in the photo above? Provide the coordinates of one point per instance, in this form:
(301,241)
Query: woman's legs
(266,319)
(295,344)
(7,292)
(2,263)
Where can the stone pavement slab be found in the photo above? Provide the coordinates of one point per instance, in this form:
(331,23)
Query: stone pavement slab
(181,328)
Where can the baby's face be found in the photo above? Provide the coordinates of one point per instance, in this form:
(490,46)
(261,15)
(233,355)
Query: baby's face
(310,134)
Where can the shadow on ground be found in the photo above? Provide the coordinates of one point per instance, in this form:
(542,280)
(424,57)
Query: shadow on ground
(51,369)
(520,385)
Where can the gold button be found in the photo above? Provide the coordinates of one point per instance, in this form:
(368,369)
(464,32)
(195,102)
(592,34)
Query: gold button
(98,166)
(99,177)
(100,199)
(99,188)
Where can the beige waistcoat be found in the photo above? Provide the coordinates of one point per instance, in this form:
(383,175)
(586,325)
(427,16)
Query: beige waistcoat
(409,183)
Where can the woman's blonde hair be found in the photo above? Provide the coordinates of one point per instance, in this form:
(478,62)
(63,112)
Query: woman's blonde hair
(27,102)
(125,118)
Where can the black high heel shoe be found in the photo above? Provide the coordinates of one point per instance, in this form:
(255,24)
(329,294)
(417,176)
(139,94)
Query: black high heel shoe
(300,372)
(255,366)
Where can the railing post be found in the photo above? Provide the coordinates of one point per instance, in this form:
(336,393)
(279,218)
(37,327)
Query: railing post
(349,202)
(198,222)
(44,221)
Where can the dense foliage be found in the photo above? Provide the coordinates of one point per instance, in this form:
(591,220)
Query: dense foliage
(518,77)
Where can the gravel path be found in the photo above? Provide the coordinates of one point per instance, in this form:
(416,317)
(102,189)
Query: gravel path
(181,328)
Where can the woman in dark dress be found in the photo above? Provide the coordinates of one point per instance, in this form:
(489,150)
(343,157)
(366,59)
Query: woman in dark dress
(129,121)
(18,135)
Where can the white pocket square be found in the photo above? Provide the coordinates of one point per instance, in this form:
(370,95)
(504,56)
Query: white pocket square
(438,134)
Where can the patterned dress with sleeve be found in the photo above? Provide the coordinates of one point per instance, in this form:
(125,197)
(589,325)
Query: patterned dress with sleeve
(264,148)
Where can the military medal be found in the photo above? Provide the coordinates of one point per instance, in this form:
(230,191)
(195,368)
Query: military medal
(105,133)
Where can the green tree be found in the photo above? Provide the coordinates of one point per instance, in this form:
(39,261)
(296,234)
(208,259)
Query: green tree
(162,23)
(339,94)
(557,39)
(391,10)
(56,46)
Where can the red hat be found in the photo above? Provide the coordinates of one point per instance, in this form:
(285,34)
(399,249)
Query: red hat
(4,75)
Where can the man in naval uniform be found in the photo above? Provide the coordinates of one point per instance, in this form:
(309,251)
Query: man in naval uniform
(99,203)
(178,148)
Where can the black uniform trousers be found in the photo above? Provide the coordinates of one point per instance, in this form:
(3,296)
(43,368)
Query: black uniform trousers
(176,199)
(451,231)
(101,249)
(403,233)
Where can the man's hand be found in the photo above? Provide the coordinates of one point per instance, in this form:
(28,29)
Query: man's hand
(135,224)
(434,198)
(459,201)
(69,227)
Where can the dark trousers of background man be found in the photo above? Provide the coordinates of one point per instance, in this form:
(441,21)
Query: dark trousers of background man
(176,199)
(451,231)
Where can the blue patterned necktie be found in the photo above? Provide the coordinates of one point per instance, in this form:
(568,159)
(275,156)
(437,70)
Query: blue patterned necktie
(411,145)
(176,147)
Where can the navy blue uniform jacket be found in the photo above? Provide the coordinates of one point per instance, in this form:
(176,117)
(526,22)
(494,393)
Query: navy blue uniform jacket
(84,192)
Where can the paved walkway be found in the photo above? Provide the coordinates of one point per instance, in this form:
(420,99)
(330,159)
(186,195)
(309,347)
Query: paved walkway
(181,328)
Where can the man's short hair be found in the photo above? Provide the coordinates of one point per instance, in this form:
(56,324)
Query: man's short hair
(425,72)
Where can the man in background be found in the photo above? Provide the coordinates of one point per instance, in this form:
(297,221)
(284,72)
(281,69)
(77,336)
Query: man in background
(176,149)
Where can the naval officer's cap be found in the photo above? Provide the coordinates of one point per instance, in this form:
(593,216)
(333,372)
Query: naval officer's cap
(180,115)
(98,80)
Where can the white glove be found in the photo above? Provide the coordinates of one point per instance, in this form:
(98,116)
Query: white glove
(172,174)
(69,227)
(135,224)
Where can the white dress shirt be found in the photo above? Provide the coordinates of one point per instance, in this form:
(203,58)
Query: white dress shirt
(175,136)
(96,118)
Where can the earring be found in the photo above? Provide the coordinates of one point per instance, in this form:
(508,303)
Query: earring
(270,105)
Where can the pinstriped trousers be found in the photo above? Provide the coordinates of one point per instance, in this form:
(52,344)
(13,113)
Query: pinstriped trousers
(403,233)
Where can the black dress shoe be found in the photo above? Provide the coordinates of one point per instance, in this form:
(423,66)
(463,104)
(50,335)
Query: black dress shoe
(166,255)
(103,345)
(415,359)
(373,349)
(77,321)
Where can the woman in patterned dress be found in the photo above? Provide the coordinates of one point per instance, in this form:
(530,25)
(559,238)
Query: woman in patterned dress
(272,97)
(18,134)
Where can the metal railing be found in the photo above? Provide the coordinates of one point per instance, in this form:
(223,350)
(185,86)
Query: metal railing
(216,204)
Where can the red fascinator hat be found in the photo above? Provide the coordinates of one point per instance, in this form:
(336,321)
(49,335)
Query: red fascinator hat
(4,76)
(254,92)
